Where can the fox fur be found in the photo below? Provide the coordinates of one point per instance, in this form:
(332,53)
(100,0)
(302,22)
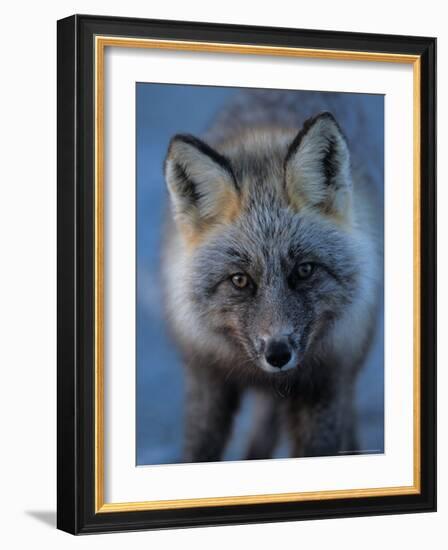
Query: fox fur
(272,274)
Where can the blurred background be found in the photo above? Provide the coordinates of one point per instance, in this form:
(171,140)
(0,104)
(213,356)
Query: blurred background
(163,110)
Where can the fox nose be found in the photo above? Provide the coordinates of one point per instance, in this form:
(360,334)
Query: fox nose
(277,352)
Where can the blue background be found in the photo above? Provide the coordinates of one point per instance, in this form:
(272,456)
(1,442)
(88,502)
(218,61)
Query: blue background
(163,110)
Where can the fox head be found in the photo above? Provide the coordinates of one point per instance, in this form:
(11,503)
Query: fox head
(270,253)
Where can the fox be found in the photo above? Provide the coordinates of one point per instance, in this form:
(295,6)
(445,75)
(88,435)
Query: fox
(272,270)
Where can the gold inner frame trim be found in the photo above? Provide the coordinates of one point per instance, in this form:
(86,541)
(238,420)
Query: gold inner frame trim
(101,42)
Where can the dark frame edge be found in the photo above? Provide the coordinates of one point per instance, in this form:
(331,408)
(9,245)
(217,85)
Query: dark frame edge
(428,297)
(419,43)
(67,456)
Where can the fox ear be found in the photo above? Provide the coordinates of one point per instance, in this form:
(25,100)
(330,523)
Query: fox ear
(201,183)
(317,168)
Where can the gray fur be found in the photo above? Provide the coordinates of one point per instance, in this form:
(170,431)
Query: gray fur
(327,321)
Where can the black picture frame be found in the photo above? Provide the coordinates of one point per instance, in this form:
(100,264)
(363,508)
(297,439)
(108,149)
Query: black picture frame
(76,254)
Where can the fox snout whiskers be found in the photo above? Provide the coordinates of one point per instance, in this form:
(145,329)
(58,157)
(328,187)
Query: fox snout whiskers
(277,353)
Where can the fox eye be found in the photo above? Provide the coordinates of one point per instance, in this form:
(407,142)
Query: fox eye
(240,281)
(305,270)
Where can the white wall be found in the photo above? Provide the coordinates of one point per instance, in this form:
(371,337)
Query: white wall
(28,271)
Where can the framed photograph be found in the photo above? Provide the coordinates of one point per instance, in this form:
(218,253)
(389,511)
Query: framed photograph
(246,274)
